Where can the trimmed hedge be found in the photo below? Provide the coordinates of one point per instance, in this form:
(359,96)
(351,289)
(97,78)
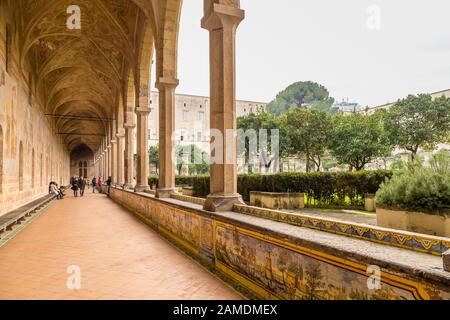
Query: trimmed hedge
(322,189)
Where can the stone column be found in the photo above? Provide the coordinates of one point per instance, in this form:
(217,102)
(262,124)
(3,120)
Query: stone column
(103,165)
(120,161)
(166,87)
(109,152)
(129,155)
(114,161)
(222,20)
(142,113)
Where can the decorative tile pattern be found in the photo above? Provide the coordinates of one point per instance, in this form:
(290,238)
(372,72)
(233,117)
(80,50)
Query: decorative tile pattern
(278,269)
(407,240)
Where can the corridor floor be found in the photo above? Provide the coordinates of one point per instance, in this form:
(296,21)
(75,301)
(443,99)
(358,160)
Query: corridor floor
(114,256)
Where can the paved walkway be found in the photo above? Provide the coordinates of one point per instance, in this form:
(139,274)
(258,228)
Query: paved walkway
(118,258)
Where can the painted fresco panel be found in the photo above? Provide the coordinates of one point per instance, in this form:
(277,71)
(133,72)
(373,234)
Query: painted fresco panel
(289,274)
(183,224)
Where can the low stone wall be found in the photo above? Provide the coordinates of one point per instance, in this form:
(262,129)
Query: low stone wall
(274,200)
(279,261)
(433,224)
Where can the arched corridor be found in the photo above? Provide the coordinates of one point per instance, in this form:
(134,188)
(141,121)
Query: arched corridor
(75,100)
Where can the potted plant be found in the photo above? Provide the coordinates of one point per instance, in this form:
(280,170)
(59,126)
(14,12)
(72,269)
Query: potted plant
(417,198)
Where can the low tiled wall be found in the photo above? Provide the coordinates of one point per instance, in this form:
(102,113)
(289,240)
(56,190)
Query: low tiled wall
(272,261)
(403,239)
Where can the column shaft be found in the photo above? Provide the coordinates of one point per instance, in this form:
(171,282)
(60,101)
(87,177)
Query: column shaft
(222,21)
(142,149)
(120,158)
(129,165)
(166,183)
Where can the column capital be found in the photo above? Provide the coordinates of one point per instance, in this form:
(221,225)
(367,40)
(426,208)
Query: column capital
(120,135)
(142,111)
(129,125)
(221,15)
(167,83)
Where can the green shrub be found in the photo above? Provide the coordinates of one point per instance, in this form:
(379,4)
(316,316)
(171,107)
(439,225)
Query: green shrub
(419,188)
(322,189)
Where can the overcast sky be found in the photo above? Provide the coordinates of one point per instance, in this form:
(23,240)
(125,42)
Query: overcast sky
(327,41)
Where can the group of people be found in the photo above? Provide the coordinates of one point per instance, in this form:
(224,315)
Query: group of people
(56,190)
(80,184)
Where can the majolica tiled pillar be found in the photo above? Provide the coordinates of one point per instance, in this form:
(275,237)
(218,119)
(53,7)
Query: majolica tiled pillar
(166,87)
(222,20)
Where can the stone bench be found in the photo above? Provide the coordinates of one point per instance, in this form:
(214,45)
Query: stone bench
(18,215)
(274,200)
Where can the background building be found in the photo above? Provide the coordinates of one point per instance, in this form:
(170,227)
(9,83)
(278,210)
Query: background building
(192,119)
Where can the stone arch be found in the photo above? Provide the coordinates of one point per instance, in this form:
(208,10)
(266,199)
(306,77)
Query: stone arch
(21,166)
(145,61)
(1,160)
(167,40)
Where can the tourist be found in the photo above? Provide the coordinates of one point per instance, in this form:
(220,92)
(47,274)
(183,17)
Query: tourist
(54,190)
(82,185)
(108,183)
(75,186)
(100,182)
(94,184)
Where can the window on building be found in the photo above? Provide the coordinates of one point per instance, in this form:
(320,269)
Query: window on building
(152,114)
(185,115)
(20,166)
(201,115)
(182,135)
(199,136)
(85,165)
(82,169)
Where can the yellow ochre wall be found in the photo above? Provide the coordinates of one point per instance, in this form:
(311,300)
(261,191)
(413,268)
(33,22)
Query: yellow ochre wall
(23,126)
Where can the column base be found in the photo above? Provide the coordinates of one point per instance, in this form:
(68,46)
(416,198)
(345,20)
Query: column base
(128,186)
(222,202)
(164,193)
(144,188)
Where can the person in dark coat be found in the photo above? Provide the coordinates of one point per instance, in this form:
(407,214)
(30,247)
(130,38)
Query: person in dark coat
(108,183)
(75,186)
(82,186)
(94,184)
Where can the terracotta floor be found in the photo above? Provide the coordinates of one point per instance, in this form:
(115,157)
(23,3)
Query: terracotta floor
(118,258)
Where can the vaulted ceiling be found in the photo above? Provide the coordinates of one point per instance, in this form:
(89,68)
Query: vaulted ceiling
(81,74)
